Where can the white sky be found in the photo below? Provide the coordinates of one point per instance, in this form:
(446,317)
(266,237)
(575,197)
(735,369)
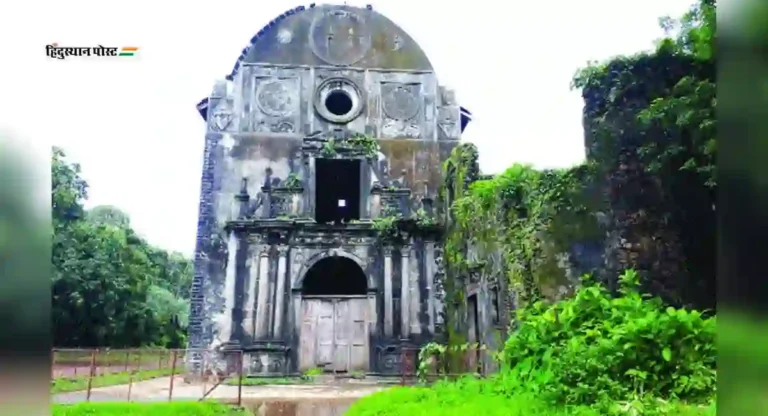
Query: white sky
(132,125)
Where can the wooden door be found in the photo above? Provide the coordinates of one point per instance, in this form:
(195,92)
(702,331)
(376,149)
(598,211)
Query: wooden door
(334,333)
(360,321)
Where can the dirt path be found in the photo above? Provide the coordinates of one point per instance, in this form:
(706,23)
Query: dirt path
(158,390)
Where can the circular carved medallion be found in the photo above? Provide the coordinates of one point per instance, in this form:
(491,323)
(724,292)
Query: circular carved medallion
(274,99)
(339,37)
(400,102)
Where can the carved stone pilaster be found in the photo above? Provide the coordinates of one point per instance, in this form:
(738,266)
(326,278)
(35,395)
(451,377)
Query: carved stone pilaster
(262,312)
(252,265)
(429,276)
(282,251)
(388,291)
(226,332)
(405,289)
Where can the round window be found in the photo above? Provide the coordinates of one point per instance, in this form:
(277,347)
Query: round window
(338,103)
(338,100)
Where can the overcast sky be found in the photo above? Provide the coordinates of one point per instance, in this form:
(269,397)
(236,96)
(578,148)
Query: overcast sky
(132,125)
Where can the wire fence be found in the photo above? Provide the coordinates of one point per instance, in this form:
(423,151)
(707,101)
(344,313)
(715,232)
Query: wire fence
(161,374)
(134,374)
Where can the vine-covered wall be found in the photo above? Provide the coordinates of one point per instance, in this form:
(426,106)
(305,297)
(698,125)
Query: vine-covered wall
(650,131)
(644,199)
(537,230)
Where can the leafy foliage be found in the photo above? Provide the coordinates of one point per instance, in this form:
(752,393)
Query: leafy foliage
(592,354)
(108,215)
(436,359)
(651,135)
(110,288)
(357,145)
(594,348)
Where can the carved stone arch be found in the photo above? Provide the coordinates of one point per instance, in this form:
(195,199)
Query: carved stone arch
(333,252)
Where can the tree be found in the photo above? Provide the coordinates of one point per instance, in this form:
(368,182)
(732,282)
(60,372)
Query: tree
(108,215)
(110,287)
(651,130)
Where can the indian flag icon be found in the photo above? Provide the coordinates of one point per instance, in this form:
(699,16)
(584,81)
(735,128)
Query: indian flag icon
(128,51)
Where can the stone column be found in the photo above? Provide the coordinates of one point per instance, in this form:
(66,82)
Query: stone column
(230,281)
(429,260)
(249,309)
(405,288)
(415,295)
(388,292)
(262,313)
(280,291)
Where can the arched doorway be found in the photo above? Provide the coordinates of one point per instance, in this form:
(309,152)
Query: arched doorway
(334,316)
(335,276)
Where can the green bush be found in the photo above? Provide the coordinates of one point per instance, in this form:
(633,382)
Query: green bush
(498,396)
(596,348)
(592,354)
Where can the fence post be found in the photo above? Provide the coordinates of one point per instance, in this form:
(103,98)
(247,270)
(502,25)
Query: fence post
(130,385)
(127,359)
(203,376)
(96,366)
(240,380)
(53,364)
(173,375)
(90,376)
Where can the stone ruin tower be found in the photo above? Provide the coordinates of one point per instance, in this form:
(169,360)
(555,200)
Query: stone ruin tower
(331,122)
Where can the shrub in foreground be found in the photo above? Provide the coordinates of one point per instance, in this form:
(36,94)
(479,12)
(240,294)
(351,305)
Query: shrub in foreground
(598,348)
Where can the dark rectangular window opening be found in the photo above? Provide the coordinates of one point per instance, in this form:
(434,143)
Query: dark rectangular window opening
(495,306)
(337,190)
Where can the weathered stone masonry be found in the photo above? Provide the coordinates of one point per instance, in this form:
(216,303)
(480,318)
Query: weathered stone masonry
(289,266)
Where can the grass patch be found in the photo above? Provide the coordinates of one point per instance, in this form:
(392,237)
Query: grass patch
(147,409)
(80,383)
(479,397)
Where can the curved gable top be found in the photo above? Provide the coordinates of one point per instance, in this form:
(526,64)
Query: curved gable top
(333,35)
(337,35)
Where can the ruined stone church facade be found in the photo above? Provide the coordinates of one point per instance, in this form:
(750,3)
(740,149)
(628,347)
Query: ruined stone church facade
(331,120)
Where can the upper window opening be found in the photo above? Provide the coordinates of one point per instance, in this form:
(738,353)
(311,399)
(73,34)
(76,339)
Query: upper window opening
(338,103)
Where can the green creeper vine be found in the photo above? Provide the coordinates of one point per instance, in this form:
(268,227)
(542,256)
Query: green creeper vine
(292,181)
(436,359)
(528,216)
(387,227)
(424,220)
(356,145)
(365,145)
(329,149)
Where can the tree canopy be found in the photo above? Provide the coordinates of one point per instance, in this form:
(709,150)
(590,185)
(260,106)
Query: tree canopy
(110,287)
